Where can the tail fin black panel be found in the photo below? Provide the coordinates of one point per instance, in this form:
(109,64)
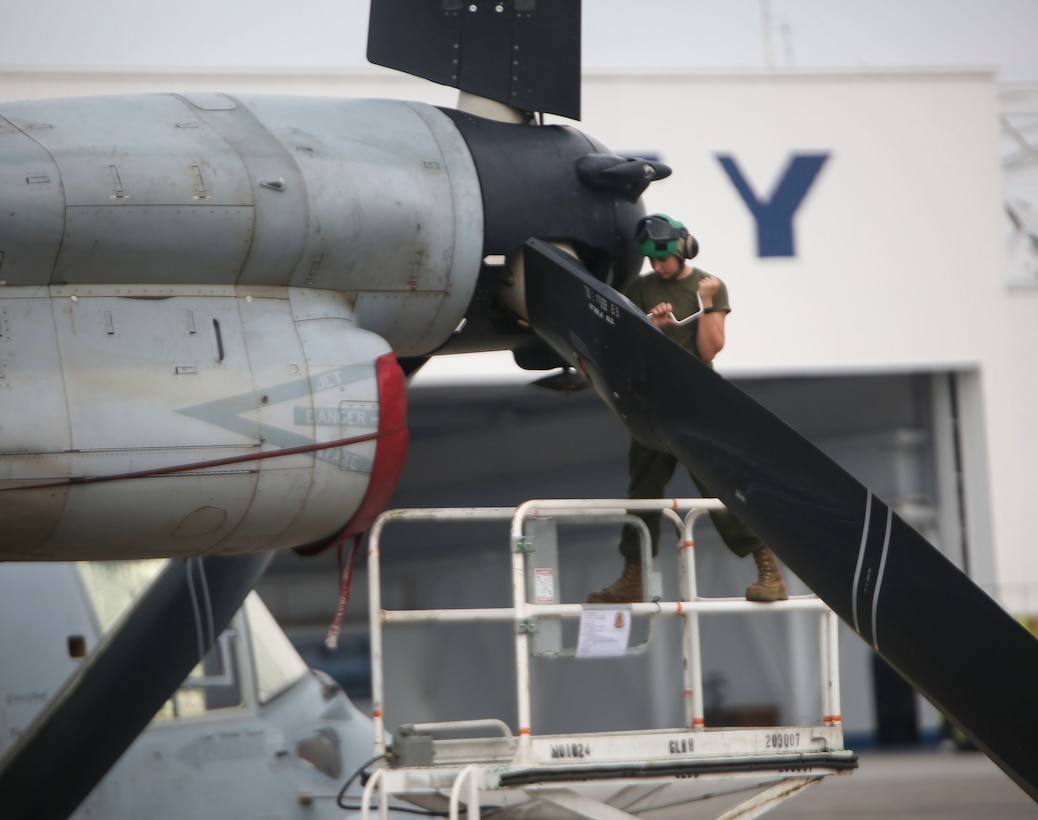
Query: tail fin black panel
(948,638)
(523,53)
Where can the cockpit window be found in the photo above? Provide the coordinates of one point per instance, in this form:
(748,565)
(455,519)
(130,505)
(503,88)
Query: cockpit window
(278,665)
(213,684)
(216,682)
(113,586)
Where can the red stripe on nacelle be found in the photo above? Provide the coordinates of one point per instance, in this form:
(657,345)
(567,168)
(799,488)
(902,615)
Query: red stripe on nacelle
(390,446)
(390,451)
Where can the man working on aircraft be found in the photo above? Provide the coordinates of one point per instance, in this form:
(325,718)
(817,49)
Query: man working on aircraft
(676,289)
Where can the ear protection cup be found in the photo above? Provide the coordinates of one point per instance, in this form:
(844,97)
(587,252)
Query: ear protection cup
(687,245)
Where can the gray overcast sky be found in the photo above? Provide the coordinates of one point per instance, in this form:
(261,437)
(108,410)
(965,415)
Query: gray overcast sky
(722,34)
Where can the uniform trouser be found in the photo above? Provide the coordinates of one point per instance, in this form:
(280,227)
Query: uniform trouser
(649,472)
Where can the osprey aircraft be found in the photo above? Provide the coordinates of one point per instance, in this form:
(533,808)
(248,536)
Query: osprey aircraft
(209,305)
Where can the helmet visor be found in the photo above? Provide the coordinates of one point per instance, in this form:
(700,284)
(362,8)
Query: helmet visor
(656,237)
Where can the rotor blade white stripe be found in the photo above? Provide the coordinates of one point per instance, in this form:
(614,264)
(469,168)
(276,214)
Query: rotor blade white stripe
(861,560)
(879,579)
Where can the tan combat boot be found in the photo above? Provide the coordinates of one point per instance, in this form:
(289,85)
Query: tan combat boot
(769,585)
(626,590)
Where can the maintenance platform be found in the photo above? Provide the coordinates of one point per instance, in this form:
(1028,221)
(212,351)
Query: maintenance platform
(469,767)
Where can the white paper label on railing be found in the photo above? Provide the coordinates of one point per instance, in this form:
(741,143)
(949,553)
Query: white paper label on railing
(603,633)
(544,586)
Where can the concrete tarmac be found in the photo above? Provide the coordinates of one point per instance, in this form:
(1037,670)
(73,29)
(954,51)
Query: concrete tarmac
(914,784)
(908,785)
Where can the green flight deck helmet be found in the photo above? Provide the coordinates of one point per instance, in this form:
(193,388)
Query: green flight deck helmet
(660,236)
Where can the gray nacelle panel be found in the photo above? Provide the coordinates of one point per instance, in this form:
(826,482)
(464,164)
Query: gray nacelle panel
(100,385)
(181,241)
(395,210)
(32,209)
(361,196)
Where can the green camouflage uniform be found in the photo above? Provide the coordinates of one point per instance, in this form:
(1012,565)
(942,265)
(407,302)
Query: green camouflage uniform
(650,470)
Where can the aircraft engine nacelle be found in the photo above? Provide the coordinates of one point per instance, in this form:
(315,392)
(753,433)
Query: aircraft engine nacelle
(202,298)
(213,420)
(378,199)
(194,279)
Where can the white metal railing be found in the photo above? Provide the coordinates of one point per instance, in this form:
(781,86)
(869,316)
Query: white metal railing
(469,773)
(522,612)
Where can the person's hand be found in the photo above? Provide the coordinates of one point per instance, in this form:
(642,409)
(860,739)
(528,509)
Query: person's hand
(662,315)
(708,286)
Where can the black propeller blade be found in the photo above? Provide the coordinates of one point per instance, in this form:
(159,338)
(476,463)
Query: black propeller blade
(99,712)
(518,52)
(946,636)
